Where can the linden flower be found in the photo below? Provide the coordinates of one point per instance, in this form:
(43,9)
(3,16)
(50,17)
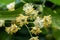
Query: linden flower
(21,19)
(12,29)
(39,22)
(2,23)
(34,38)
(47,20)
(28,8)
(11,6)
(34,13)
(35,30)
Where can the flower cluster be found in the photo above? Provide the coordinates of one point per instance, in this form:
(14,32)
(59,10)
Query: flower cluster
(21,19)
(39,22)
(47,20)
(12,29)
(28,8)
(36,30)
(30,13)
(43,22)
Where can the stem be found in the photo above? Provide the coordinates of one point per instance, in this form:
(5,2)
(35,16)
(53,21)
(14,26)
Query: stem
(30,22)
(23,1)
(43,2)
(28,30)
(43,5)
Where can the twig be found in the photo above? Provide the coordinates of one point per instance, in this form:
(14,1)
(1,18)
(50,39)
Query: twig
(28,30)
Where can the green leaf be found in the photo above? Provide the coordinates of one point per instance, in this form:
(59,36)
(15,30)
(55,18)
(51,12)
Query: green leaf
(4,35)
(6,1)
(8,15)
(56,31)
(11,15)
(32,1)
(55,1)
(56,34)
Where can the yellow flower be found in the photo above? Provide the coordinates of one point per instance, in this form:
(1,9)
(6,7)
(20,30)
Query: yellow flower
(35,30)
(47,20)
(28,8)
(12,29)
(34,38)
(11,6)
(34,13)
(38,22)
(21,19)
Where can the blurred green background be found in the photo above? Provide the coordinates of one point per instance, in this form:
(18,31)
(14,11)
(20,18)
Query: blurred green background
(52,7)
